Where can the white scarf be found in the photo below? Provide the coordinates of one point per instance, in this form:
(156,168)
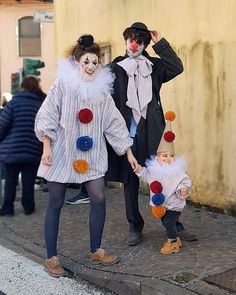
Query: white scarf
(139,91)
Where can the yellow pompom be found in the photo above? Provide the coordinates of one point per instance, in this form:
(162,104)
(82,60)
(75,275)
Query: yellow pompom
(170,116)
(158,211)
(81,166)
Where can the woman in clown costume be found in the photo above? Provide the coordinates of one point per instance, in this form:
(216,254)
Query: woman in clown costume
(74,122)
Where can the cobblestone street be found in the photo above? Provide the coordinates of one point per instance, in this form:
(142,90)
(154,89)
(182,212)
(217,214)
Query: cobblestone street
(142,267)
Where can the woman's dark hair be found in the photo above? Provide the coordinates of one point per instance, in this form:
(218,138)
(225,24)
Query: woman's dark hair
(139,36)
(85,44)
(31,84)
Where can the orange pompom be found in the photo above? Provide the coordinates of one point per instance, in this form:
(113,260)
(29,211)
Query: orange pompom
(170,116)
(158,211)
(81,166)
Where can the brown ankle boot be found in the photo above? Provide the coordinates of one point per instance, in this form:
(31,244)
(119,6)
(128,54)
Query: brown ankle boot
(53,268)
(170,247)
(100,257)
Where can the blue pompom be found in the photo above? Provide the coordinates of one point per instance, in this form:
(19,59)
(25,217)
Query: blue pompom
(84,143)
(158,199)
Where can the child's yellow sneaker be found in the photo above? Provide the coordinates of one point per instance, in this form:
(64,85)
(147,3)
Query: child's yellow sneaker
(179,241)
(170,247)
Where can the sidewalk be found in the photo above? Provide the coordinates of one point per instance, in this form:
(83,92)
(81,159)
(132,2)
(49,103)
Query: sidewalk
(205,267)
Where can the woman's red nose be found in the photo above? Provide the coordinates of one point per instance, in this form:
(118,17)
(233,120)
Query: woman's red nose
(133,46)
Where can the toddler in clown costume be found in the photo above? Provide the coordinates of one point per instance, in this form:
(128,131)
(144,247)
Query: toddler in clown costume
(169,185)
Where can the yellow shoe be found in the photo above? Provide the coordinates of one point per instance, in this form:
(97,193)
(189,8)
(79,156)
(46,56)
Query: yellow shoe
(169,248)
(53,268)
(101,257)
(179,242)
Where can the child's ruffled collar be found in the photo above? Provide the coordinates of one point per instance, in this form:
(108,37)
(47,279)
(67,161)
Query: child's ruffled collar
(180,164)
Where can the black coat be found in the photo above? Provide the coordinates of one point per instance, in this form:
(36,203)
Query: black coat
(18,142)
(149,131)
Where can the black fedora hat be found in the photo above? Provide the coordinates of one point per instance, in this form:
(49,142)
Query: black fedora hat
(137,26)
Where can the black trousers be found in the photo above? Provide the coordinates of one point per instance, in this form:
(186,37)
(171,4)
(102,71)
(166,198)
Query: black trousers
(169,221)
(28,174)
(131,193)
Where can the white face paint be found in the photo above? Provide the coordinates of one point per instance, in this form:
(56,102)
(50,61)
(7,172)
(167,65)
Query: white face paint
(89,63)
(133,49)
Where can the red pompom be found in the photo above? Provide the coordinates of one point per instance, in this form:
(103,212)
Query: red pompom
(155,187)
(85,115)
(169,136)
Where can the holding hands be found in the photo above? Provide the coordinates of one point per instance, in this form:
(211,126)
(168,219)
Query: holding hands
(133,162)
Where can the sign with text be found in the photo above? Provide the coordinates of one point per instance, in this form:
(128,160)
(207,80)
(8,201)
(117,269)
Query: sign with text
(43,16)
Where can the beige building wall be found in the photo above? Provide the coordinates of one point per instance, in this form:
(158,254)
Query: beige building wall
(203,34)
(10,62)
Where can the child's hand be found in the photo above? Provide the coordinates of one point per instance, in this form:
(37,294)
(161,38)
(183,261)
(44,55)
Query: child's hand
(183,192)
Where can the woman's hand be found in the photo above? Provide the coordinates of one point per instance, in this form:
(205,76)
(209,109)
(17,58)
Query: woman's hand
(47,153)
(47,158)
(138,168)
(132,160)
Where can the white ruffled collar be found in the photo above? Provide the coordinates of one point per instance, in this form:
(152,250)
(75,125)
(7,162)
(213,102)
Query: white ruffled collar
(174,169)
(101,82)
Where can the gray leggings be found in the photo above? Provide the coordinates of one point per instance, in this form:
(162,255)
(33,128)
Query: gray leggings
(95,189)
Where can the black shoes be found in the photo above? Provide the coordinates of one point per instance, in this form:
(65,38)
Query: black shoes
(6,212)
(134,238)
(29,211)
(186,236)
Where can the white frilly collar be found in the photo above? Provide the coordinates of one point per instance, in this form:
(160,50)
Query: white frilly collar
(101,82)
(180,165)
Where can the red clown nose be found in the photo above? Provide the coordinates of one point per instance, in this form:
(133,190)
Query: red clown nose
(133,46)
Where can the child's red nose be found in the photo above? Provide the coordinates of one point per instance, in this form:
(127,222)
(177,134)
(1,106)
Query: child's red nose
(134,46)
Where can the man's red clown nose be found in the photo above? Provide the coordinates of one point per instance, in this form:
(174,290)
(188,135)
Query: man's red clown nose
(133,46)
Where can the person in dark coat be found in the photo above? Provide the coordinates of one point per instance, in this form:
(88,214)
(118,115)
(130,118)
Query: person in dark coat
(20,149)
(2,166)
(139,78)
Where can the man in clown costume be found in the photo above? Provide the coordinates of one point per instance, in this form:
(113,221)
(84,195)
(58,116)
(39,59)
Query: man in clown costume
(139,78)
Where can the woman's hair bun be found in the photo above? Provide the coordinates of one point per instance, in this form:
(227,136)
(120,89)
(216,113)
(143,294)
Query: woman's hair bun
(86,40)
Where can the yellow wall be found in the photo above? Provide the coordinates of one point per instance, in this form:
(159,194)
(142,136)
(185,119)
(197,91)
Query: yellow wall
(10,62)
(203,34)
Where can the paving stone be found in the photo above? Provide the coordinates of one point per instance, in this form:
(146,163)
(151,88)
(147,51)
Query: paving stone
(225,280)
